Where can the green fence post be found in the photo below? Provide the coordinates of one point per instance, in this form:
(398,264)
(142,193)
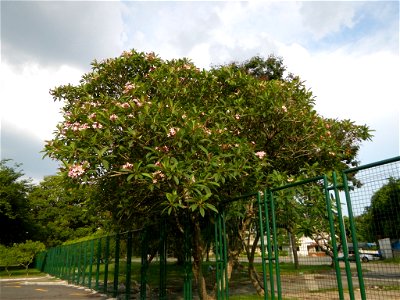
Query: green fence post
(128,266)
(116,265)
(354,238)
(70,261)
(106,256)
(221,257)
(218,242)
(333,238)
(343,238)
(98,261)
(59,261)
(49,261)
(75,262)
(144,265)
(79,263)
(187,288)
(262,235)
(62,262)
(163,260)
(85,247)
(269,248)
(91,264)
(276,252)
(225,253)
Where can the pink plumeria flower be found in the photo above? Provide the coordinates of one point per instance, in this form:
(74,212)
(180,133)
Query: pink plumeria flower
(97,125)
(172,132)
(76,126)
(137,102)
(83,127)
(113,117)
(260,154)
(128,87)
(76,171)
(127,166)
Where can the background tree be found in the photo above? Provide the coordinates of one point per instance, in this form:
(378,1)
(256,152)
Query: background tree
(170,138)
(7,258)
(271,68)
(25,253)
(384,212)
(62,212)
(14,205)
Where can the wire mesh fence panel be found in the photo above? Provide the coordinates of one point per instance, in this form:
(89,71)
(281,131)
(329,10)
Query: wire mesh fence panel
(307,241)
(374,191)
(302,240)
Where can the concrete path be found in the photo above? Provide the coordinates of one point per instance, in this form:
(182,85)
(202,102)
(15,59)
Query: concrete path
(44,288)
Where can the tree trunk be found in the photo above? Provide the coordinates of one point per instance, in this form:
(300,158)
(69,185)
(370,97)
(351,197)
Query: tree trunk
(253,275)
(255,279)
(294,249)
(198,248)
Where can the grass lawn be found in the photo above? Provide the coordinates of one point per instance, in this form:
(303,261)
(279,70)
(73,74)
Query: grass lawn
(17,272)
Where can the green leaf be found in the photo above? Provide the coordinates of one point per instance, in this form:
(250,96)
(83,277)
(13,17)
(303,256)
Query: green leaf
(147,175)
(203,149)
(212,207)
(202,211)
(105,164)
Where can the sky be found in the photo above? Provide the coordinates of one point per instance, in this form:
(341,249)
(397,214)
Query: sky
(346,52)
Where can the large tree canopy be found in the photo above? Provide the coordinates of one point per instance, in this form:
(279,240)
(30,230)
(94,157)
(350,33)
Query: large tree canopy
(163,136)
(184,138)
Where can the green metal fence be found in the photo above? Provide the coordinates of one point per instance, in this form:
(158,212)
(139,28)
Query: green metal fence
(373,201)
(335,236)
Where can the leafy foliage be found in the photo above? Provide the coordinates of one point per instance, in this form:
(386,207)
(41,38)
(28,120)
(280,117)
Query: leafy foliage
(26,252)
(14,205)
(62,212)
(166,136)
(20,254)
(384,212)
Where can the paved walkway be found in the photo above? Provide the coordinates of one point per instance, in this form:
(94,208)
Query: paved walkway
(44,288)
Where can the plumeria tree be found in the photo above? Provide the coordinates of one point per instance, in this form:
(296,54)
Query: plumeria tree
(164,137)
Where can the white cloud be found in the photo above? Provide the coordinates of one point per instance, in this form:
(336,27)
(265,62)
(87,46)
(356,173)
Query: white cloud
(28,104)
(347,86)
(326,17)
(61,32)
(201,55)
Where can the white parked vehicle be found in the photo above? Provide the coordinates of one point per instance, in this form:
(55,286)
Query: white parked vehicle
(365,256)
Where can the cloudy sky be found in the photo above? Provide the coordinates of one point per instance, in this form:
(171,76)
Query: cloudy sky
(347,52)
